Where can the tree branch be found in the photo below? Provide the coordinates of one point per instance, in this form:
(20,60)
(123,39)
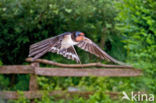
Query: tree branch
(44,61)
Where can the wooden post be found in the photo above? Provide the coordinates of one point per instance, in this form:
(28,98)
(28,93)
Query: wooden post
(33,86)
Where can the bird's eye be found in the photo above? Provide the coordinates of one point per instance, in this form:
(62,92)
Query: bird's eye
(79,34)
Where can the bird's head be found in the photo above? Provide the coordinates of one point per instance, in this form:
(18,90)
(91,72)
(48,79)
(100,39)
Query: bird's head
(79,36)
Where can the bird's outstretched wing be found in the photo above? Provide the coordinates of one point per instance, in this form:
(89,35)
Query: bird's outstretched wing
(39,49)
(69,53)
(52,45)
(91,47)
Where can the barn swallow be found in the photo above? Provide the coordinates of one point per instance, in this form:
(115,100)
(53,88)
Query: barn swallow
(63,44)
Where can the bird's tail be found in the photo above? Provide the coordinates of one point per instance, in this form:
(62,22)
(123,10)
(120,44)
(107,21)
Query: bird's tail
(39,49)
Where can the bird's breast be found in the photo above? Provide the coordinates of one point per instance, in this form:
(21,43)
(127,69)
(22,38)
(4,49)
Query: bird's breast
(67,42)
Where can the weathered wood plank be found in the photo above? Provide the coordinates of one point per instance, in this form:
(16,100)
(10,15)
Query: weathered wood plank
(58,94)
(116,72)
(33,85)
(87,72)
(33,78)
(16,69)
(16,95)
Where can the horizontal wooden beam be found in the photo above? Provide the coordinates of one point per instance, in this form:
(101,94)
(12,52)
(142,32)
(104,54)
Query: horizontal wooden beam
(87,72)
(16,69)
(112,72)
(58,94)
(44,61)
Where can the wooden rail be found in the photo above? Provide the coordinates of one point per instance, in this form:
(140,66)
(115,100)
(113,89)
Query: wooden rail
(87,72)
(118,72)
(57,93)
(16,69)
(72,70)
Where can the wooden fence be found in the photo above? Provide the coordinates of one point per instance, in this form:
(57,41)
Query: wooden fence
(72,70)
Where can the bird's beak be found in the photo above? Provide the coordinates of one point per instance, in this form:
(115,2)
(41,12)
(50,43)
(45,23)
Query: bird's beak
(83,36)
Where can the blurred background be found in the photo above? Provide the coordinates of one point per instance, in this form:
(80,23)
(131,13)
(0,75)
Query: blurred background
(125,29)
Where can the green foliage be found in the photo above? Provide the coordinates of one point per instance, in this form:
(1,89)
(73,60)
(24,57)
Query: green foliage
(25,22)
(136,22)
(111,24)
(5,82)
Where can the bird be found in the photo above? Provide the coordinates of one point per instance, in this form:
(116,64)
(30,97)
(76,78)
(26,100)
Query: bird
(64,43)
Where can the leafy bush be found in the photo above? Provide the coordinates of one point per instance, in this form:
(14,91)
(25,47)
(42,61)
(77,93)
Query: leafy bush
(136,22)
(27,21)
(23,23)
